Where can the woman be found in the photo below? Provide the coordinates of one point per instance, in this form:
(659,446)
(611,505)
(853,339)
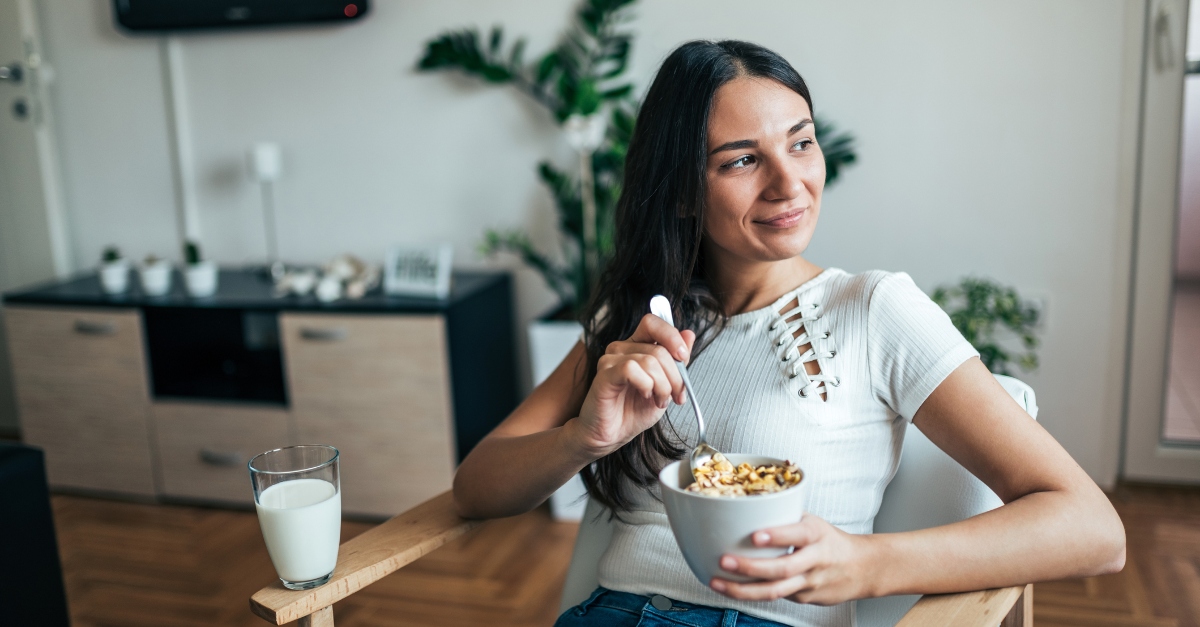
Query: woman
(722,192)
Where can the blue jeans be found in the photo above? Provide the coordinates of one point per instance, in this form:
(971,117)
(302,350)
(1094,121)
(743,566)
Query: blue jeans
(621,609)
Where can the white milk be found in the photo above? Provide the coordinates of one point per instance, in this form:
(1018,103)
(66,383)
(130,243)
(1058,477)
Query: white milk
(301,522)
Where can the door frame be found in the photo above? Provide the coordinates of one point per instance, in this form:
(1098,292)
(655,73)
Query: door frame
(1144,456)
(40,74)
(54,235)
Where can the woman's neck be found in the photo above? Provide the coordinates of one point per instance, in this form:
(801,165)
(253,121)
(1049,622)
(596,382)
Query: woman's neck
(743,285)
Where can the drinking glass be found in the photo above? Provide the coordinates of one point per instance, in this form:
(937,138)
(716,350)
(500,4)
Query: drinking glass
(297,492)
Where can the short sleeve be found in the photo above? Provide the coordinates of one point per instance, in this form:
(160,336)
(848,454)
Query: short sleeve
(911,344)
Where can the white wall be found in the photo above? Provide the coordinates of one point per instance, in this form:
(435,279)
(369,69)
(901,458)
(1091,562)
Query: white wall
(990,143)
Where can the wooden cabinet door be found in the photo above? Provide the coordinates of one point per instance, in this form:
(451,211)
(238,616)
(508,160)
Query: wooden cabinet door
(377,388)
(80,380)
(203,447)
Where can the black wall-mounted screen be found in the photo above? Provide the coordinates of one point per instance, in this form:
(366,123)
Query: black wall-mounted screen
(166,15)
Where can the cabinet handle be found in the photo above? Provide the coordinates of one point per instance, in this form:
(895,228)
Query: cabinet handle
(221,458)
(88,327)
(324,335)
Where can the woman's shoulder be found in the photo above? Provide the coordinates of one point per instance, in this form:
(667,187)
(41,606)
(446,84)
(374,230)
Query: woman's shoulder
(863,288)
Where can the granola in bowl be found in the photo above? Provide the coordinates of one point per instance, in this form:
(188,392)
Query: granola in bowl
(719,477)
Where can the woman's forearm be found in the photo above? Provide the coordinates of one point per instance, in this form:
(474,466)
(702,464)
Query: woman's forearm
(510,475)
(1041,536)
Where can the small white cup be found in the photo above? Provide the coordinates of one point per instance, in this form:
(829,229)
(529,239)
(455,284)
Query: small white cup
(707,527)
(156,278)
(201,279)
(114,276)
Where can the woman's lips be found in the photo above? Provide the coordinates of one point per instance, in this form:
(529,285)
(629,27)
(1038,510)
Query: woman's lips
(784,220)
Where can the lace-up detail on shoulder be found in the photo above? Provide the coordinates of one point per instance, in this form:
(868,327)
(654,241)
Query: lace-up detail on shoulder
(804,345)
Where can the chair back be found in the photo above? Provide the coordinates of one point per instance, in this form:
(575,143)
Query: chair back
(929,489)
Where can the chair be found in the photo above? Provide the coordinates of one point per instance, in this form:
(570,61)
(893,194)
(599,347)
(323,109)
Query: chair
(31,584)
(929,489)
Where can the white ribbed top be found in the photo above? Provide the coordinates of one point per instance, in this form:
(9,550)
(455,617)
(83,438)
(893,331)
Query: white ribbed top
(882,346)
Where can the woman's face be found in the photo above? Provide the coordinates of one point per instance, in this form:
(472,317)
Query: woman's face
(765,172)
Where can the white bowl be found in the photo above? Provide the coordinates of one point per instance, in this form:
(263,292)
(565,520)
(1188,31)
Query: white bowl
(707,527)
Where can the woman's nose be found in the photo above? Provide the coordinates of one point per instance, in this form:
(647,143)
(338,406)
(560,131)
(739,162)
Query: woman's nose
(786,182)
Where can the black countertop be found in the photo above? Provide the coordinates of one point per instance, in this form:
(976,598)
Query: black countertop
(241,288)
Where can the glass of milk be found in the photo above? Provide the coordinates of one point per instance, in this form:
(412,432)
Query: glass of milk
(298,495)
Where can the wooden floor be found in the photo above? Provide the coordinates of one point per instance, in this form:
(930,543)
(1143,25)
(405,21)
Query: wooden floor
(130,565)
(1160,585)
(1181,420)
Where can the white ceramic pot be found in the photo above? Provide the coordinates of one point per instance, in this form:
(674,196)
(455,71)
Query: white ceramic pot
(707,527)
(156,278)
(114,276)
(328,289)
(201,279)
(303,282)
(549,343)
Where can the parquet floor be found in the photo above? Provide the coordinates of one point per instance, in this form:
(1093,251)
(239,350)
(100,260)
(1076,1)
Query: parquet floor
(132,565)
(1160,586)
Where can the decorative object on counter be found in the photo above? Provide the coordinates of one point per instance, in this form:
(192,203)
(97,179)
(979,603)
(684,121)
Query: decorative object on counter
(114,271)
(582,82)
(329,289)
(344,275)
(418,271)
(155,274)
(264,162)
(298,281)
(977,306)
(357,276)
(200,275)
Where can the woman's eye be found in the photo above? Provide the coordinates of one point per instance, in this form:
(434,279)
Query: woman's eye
(804,144)
(739,163)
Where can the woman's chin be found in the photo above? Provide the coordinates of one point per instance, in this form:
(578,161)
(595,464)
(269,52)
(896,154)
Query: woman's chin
(784,246)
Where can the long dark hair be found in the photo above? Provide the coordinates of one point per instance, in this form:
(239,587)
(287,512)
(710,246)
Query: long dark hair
(659,226)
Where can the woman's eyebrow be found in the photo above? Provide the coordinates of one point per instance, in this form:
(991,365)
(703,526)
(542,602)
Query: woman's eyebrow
(750,143)
(799,126)
(737,145)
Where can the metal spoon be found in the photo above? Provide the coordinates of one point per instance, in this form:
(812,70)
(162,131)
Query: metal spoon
(661,307)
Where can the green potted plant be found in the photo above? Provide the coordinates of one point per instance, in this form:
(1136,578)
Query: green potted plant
(199,274)
(155,274)
(991,316)
(582,84)
(114,271)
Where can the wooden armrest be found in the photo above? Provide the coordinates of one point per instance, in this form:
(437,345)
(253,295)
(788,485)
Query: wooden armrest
(368,558)
(405,538)
(1009,607)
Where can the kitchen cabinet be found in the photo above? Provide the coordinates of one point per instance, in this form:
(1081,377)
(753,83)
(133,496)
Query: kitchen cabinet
(168,397)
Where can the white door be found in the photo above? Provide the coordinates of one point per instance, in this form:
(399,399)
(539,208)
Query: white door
(1148,457)
(32,242)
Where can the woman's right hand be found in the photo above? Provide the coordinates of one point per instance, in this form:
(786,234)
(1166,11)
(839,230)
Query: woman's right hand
(635,380)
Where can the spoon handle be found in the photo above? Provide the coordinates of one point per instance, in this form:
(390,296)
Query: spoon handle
(661,307)
(687,384)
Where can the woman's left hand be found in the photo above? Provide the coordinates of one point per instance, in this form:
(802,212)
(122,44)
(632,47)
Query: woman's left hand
(829,566)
